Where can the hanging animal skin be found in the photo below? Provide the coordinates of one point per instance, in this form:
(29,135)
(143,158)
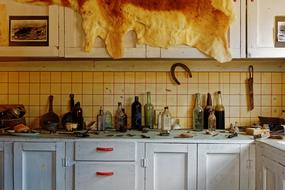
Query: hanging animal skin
(202,24)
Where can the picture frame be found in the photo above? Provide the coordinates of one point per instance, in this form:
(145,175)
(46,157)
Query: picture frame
(28,31)
(280,31)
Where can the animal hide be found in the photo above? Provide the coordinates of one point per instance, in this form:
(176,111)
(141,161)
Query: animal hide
(202,24)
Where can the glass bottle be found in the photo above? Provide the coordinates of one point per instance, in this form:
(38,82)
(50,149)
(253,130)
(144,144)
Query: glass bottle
(166,119)
(148,112)
(212,121)
(79,116)
(124,118)
(220,112)
(159,120)
(119,121)
(108,124)
(100,122)
(198,115)
(207,110)
(136,114)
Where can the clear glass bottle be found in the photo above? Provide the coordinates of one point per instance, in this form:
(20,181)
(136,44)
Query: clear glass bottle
(119,117)
(198,114)
(108,121)
(166,119)
(148,112)
(136,114)
(207,110)
(100,120)
(124,127)
(212,121)
(220,112)
(159,120)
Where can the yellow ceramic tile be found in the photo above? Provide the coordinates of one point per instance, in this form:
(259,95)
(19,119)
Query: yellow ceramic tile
(76,88)
(225,88)
(3,88)
(225,77)
(234,77)
(161,100)
(57,100)
(24,99)
(150,77)
(34,122)
(244,121)
(182,77)
(227,111)
(214,88)
(256,89)
(129,99)
(266,89)
(13,88)
(108,89)
(98,100)
(129,77)
(243,77)
(139,77)
(276,77)
(24,77)
(184,123)
(182,89)
(182,100)
(119,89)
(43,109)
(87,112)
(234,88)
(172,110)
(95,110)
(55,88)
(283,77)
(45,88)
(243,100)
(161,88)
(255,112)
(234,100)
(257,100)
(43,100)
(98,77)
(194,79)
(120,98)
(119,77)
(203,88)
(34,77)
(257,77)
(214,77)
(13,76)
(55,77)
(108,77)
(98,88)
(57,109)
(203,77)
(65,100)
(182,111)
(108,100)
(87,88)
(276,111)
(4,77)
(66,88)
(140,89)
(87,100)
(87,77)
(276,100)
(191,100)
(34,111)
(171,100)
(3,98)
(171,88)
(276,88)
(66,77)
(244,112)
(266,78)
(233,120)
(45,77)
(225,100)
(76,77)
(243,88)
(13,99)
(150,88)
(129,89)
(266,111)
(24,88)
(161,77)
(266,100)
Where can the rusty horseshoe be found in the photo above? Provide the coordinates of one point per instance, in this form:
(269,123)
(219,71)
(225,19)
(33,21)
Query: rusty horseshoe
(172,70)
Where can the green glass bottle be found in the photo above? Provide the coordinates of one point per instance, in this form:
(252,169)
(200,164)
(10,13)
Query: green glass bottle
(198,115)
(148,112)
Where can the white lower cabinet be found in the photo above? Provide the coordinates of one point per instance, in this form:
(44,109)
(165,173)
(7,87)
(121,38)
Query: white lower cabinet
(39,166)
(223,167)
(6,166)
(171,166)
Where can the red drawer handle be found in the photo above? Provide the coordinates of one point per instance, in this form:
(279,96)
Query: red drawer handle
(101,149)
(105,173)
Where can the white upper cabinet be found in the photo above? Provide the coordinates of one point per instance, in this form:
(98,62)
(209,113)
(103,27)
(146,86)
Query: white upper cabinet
(236,38)
(74,41)
(26,49)
(261,30)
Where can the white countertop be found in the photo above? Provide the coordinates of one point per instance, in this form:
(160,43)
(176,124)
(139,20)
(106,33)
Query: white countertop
(276,143)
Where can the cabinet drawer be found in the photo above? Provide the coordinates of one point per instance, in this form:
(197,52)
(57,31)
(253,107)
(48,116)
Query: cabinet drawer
(105,176)
(105,151)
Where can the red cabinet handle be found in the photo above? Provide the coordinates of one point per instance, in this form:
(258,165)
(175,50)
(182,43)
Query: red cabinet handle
(105,173)
(101,149)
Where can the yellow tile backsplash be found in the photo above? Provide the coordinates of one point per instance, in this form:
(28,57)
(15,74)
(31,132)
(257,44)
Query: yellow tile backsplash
(106,88)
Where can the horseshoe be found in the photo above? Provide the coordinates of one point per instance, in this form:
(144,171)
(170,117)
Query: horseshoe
(172,71)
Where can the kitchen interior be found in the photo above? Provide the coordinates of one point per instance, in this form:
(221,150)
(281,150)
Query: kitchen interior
(69,119)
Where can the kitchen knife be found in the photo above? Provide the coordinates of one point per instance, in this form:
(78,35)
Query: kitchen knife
(250,88)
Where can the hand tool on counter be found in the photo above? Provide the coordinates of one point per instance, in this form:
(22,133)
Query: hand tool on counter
(250,88)
(172,71)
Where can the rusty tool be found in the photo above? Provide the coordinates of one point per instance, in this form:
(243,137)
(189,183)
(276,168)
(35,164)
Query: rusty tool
(250,88)
(172,70)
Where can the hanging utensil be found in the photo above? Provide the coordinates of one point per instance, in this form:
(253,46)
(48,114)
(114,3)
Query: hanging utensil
(172,70)
(250,88)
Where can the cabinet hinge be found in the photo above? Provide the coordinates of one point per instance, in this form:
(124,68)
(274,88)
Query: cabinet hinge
(144,163)
(66,162)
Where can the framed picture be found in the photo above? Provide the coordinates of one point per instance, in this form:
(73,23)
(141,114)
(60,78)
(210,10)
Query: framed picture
(28,31)
(280,31)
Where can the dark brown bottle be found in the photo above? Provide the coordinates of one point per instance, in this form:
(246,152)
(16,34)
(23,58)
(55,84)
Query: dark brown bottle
(220,112)
(78,116)
(207,110)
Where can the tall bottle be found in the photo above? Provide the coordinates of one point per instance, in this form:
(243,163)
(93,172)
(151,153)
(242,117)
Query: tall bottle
(220,112)
(148,112)
(100,120)
(136,114)
(207,110)
(120,120)
(166,119)
(198,114)
(124,128)
(212,121)
(78,116)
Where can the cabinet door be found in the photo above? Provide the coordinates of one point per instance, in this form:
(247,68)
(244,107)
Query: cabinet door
(6,166)
(74,41)
(39,166)
(236,38)
(270,174)
(222,166)
(261,28)
(20,9)
(170,166)
(282,177)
